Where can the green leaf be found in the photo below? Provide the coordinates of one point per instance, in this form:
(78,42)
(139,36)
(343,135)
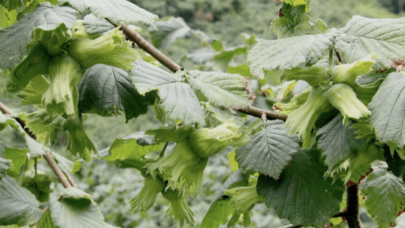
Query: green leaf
(293,21)
(79,141)
(13,4)
(17,204)
(44,126)
(338,141)
(18,157)
(107,90)
(269,150)
(243,70)
(36,149)
(385,197)
(221,89)
(46,221)
(234,180)
(225,56)
(135,146)
(302,195)
(18,36)
(64,164)
(216,116)
(168,31)
(296,3)
(76,210)
(5,164)
(314,75)
(32,94)
(285,54)
(386,115)
(201,55)
(7,18)
(96,26)
(363,36)
(116,11)
(39,185)
(218,214)
(178,101)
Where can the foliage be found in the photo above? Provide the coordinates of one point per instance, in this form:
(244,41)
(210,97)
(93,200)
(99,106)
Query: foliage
(343,115)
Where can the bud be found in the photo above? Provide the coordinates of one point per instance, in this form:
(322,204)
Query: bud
(207,142)
(296,102)
(244,198)
(342,97)
(78,141)
(110,49)
(313,75)
(55,41)
(147,196)
(44,126)
(191,179)
(171,166)
(61,95)
(303,119)
(36,63)
(347,73)
(178,207)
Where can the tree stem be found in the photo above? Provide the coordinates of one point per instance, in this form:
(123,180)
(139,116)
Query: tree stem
(253,111)
(352,211)
(149,48)
(339,56)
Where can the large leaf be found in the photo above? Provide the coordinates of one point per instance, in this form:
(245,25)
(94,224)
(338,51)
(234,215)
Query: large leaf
(108,90)
(134,146)
(178,101)
(235,179)
(17,204)
(302,195)
(218,214)
(96,26)
(338,141)
(268,151)
(363,36)
(116,11)
(396,164)
(168,31)
(387,113)
(4,163)
(285,54)
(18,157)
(76,210)
(221,89)
(17,37)
(385,197)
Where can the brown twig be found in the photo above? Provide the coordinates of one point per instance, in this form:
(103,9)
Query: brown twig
(352,214)
(253,111)
(58,172)
(149,48)
(48,157)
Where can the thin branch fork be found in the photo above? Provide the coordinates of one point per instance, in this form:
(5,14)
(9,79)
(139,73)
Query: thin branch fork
(66,181)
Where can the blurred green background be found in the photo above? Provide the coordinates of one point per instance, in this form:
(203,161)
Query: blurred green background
(224,20)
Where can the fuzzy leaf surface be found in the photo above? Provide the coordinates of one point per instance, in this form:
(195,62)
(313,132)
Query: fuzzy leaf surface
(387,113)
(385,197)
(178,101)
(221,89)
(116,11)
(382,37)
(285,54)
(17,37)
(96,26)
(17,204)
(269,150)
(302,195)
(338,141)
(108,90)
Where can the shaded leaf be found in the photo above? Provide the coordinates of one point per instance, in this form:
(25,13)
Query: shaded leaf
(168,31)
(218,214)
(107,90)
(302,195)
(96,26)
